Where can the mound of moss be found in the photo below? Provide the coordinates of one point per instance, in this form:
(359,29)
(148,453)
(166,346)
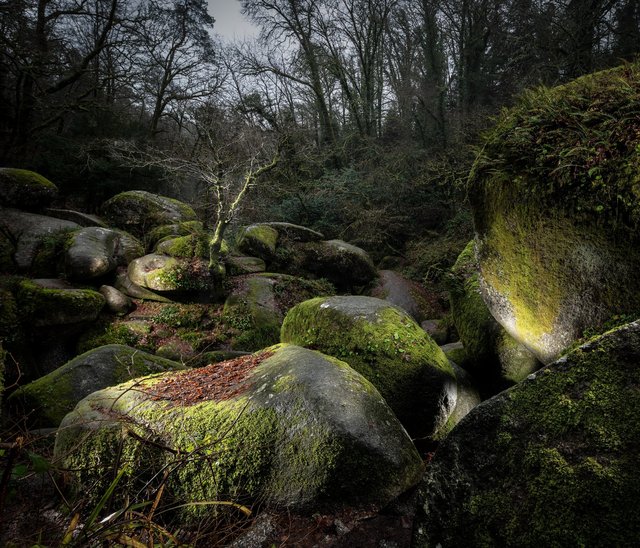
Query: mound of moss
(24,189)
(296,428)
(555,195)
(553,461)
(385,345)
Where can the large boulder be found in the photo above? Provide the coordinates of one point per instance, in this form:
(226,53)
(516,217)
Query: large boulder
(555,199)
(287,427)
(343,264)
(412,297)
(553,461)
(92,252)
(135,291)
(295,233)
(47,303)
(169,274)
(387,347)
(258,302)
(177,229)
(493,356)
(25,189)
(138,211)
(46,401)
(35,241)
(258,240)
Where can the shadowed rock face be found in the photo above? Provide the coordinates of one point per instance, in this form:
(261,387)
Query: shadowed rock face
(553,461)
(25,189)
(556,220)
(297,429)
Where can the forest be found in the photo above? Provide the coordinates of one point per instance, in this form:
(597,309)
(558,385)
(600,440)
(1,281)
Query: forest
(429,207)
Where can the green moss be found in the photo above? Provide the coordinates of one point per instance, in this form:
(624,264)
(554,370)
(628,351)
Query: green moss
(579,456)
(258,240)
(28,182)
(48,257)
(579,142)
(41,306)
(162,232)
(108,333)
(389,349)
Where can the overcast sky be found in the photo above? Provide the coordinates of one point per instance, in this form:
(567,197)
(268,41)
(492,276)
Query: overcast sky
(229,21)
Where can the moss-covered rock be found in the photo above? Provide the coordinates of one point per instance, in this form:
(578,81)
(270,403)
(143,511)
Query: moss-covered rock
(386,346)
(237,266)
(343,264)
(47,400)
(90,253)
(78,217)
(173,230)
(138,211)
(191,246)
(41,305)
(553,461)
(258,240)
(301,428)
(36,242)
(24,189)
(493,356)
(163,273)
(407,294)
(555,196)
(131,289)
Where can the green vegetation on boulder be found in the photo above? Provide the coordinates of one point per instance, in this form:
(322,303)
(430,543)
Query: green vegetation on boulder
(46,401)
(138,211)
(300,429)
(39,305)
(258,241)
(178,229)
(36,242)
(494,357)
(24,189)
(553,461)
(555,196)
(387,347)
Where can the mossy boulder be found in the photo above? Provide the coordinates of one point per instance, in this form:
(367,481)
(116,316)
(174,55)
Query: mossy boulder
(35,242)
(169,274)
(78,217)
(138,211)
(555,197)
(42,303)
(298,429)
(186,228)
(258,240)
(295,233)
(237,266)
(46,401)
(92,252)
(385,345)
(343,264)
(493,356)
(124,284)
(412,297)
(553,461)
(24,189)
(189,247)
(258,303)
